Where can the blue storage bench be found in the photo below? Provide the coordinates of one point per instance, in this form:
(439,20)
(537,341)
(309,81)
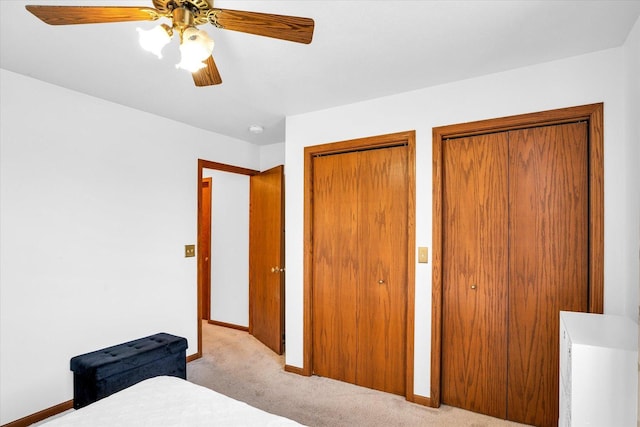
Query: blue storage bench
(100,373)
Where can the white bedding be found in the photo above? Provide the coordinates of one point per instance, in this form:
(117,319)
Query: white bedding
(169,401)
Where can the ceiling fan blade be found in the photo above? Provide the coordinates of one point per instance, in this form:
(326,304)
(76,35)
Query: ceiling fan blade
(291,28)
(67,15)
(208,75)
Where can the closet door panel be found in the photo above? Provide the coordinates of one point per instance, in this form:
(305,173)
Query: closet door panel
(548,192)
(475,261)
(335,266)
(382,288)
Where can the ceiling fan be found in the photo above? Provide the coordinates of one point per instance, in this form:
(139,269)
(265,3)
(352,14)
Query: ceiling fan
(185,16)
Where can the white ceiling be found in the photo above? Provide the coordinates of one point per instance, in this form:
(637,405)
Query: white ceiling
(360,50)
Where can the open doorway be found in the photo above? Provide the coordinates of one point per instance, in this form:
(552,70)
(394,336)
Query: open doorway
(234,294)
(225,236)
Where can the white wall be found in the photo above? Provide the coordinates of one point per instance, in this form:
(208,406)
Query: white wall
(632,57)
(597,77)
(631,247)
(229,247)
(271,156)
(97,203)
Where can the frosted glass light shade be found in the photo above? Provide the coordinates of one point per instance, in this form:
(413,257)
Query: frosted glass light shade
(196,46)
(154,40)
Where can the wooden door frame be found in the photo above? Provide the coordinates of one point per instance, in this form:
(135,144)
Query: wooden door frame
(206,164)
(382,141)
(593,114)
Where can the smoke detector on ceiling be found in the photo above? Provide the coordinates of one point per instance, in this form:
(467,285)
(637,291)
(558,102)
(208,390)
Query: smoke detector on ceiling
(256,129)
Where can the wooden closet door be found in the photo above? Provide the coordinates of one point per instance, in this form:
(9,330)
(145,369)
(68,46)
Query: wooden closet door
(549,196)
(360,267)
(382,284)
(335,265)
(515,214)
(475,261)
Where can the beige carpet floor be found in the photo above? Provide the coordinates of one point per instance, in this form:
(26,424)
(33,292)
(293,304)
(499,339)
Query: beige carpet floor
(238,365)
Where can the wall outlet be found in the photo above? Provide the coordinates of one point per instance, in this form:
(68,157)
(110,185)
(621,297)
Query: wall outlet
(189,251)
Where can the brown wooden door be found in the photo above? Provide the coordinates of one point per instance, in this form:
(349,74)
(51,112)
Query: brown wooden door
(382,291)
(548,260)
(335,266)
(360,267)
(266,258)
(475,255)
(204,245)
(515,253)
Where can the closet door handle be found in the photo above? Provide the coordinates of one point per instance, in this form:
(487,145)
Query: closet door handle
(474,287)
(381,282)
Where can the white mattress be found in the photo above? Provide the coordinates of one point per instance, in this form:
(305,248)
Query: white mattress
(169,401)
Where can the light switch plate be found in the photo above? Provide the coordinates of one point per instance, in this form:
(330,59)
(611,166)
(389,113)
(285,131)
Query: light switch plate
(189,251)
(423,254)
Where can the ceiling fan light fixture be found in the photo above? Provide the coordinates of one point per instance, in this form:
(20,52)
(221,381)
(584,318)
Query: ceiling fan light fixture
(155,39)
(185,16)
(195,47)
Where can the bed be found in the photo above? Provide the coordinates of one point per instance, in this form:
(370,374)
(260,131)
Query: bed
(168,401)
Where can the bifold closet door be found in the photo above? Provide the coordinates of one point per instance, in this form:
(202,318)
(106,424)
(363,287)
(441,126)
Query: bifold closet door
(360,267)
(475,257)
(335,265)
(382,290)
(548,260)
(515,253)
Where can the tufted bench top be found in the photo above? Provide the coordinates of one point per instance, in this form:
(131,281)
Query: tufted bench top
(112,360)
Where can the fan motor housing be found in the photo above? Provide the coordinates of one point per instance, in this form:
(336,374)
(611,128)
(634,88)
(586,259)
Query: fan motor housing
(199,9)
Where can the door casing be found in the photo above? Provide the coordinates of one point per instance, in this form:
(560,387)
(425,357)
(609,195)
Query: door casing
(593,114)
